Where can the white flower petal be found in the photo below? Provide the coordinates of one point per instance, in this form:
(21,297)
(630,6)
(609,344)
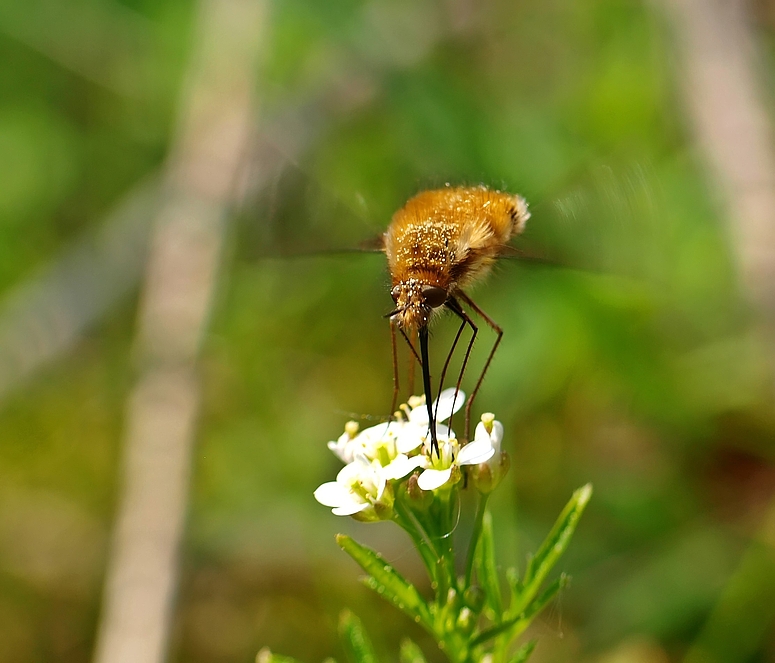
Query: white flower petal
(493,438)
(478,451)
(410,438)
(433,479)
(480,433)
(379,431)
(448,403)
(419,416)
(332,493)
(343,447)
(497,435)
(443,408)
(381,482)
(444,432)
(402,465)
(350,508)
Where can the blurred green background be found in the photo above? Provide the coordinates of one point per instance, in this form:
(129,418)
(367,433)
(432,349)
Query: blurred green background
(639,368)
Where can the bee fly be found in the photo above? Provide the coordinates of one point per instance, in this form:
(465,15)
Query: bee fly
(437,245)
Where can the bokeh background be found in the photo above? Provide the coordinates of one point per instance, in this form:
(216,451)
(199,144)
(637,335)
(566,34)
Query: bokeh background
(177,182)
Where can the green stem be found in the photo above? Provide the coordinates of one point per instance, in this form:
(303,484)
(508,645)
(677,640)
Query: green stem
(475,535)
(424,544)
(433,524)
(447,539)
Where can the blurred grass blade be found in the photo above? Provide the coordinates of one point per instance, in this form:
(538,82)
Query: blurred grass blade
(43,317)
(552,548)
(410,652)
(356,643)
(386,581)
(486,568)
(265,655)
(523,653)
(744,615)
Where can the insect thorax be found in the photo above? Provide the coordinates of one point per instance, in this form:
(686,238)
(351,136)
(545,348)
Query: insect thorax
(422,247)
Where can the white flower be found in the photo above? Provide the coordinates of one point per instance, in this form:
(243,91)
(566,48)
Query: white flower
(491,431)
(380,442)
(376,443)
(360,490)
(402,465)
(344,448)
(416,428)
(489,472)
(444,467)
(390,442)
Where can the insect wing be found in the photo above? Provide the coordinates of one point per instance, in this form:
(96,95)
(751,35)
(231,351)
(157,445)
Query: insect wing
(609,221)
(292,214)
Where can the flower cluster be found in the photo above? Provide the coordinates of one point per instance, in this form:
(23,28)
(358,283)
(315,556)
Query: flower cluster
(392,471)
(377,458)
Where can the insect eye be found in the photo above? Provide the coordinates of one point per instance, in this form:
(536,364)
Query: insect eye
(434,296)
(394,293)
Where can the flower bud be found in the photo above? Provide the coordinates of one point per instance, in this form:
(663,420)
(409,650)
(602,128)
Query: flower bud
(416,401)
(486,476)
(482,477)
(487,419)
(420,499)
(449,611)
(466,619)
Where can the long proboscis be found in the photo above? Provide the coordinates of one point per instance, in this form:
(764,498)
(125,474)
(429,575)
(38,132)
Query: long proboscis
(426,379)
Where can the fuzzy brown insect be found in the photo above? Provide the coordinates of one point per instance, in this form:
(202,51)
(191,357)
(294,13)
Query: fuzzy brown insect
(437,244)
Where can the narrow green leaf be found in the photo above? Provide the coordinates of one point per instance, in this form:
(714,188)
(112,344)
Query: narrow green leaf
(412,525)
(386,581)
(356,643)
(265,655)
(552,548)
(523,653)
(486,568)
(515,584)
(558,538)
(546,597)
(529,567)
(516,625)
(490,633)
(410,652)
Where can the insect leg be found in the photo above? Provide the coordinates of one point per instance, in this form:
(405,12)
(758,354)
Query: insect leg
(444,371)
(453,305)
(426,378)
(499,335)
(411,345)
(412,365)
(394,349)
